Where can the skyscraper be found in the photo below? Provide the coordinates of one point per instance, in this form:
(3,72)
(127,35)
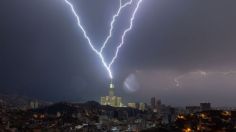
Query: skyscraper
(142,106)
(111,90)
(111,99)
(153,102)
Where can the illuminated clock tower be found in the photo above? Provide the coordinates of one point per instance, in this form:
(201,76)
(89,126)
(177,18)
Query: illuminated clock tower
(111,90)
(111,99)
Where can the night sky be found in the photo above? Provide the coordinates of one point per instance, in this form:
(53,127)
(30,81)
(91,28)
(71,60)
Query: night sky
(181,51)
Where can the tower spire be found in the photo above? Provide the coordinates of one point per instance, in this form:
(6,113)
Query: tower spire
(111,84)
(111,89)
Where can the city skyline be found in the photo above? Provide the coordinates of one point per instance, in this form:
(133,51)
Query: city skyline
(181,52)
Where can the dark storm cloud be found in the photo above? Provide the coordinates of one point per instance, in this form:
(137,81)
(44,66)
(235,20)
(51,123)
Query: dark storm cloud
(186,34)
(43,53)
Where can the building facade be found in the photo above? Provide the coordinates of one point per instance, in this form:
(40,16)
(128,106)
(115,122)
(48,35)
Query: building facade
(111,99)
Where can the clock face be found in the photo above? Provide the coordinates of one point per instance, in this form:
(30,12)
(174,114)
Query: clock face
(111,85)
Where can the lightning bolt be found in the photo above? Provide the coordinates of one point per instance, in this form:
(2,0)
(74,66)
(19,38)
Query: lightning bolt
(113,21)
(99,52)
(124,34)
(177,83)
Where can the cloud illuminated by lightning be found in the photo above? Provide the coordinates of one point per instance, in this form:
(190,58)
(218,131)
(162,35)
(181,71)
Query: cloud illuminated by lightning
(99,52)
(204,74)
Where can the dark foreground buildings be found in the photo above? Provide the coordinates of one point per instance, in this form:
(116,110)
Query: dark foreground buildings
(93,117)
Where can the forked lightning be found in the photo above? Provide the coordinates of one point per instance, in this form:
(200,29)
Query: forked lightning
(104,44)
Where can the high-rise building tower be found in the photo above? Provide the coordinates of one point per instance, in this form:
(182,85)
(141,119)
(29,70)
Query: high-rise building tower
(111,90)
(111,99)
(153,102)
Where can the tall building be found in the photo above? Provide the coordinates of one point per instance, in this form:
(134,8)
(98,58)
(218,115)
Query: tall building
(153,102)
(111,90)
(142,106)
(119,102)
(111,99)
(158,104)
(34,104)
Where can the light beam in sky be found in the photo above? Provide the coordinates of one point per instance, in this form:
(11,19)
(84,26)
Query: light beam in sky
(100,52)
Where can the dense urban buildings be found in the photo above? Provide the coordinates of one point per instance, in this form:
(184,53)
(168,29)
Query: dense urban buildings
(93,117)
